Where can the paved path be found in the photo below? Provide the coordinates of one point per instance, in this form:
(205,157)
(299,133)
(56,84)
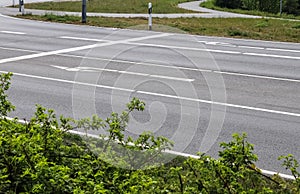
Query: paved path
(189,6)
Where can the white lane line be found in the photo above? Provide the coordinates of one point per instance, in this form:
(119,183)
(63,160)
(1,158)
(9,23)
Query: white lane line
(93,69)
(275,56)
(252,47)
(70,82)
(163,95)
(12,32)
(186,68)
(222,104)
(43,54)
(183,48)
(214,51)
(226,44)
(79,38)
(284,50)
(17,49)
(257,76)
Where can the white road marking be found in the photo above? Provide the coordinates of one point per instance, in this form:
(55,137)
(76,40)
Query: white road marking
(284,50)
(163,95)
(269,55)
(93,69)
(225,44)
(252,47)
(215,51)
(79,38)
(187,68)
(12,32)
(43,54)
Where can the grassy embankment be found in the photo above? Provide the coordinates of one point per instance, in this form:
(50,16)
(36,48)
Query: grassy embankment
(263,29)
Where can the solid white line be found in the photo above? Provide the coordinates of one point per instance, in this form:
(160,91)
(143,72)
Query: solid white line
(275,56)
(222,104)
(163,95)
(186,68)
(43,54)
(71,82)
(257,76)
(93,69)
(252,47)
(214,51)
(184,48)
(17,49)
(285,50)
(11,32)
(79,38)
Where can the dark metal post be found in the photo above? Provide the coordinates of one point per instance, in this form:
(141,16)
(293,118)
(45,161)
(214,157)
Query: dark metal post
(83,11)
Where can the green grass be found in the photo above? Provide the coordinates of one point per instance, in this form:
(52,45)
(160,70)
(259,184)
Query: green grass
(262,29)
(210,5)
(113,6)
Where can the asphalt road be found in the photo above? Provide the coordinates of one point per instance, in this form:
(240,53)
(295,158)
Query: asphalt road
(198,90)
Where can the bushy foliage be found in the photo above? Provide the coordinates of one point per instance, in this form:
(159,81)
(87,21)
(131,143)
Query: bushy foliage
(271,6)
(43,156)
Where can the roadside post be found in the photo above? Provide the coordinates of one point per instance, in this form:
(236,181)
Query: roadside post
(21,6)
(280,11)
(150,16)
(13,3)
(83,19)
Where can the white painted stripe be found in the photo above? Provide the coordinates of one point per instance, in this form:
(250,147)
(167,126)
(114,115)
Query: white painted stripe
(222,104)
(215,51)
(79,38)
(267,172)
(12,32)
(187,68)
(93,69)
(184,48)
(43,54)
(252,47)
(258,76)
(284,50)
(275,56)
(71,82)
(163,95)
(17,49)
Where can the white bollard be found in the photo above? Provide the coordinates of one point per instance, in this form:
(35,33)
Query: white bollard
(150,16)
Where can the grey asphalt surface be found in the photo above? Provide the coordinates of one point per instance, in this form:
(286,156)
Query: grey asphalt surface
(198,90)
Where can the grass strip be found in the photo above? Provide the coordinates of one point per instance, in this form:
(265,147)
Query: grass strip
(115,6)
(259,29)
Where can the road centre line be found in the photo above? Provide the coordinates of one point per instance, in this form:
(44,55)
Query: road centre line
(93,69)
(43,54)
(162,95)
(12,32)
(202,49)
(87,39)
(186,68)
(214,51)
(226,44)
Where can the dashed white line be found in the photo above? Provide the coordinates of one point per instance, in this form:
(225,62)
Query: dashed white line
(12,32)
(164,95)
(252,47)
(284,50)
(188,68)
(93,69)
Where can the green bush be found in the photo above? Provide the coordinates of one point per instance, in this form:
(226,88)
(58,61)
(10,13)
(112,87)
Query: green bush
(42,156)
